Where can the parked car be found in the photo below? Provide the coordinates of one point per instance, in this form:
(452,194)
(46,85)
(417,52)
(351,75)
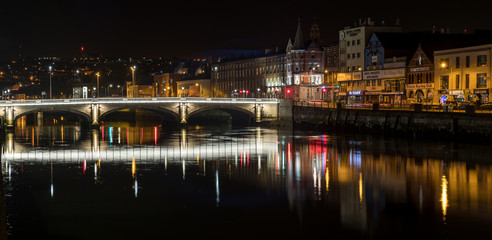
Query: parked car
(464,105)
(486,106)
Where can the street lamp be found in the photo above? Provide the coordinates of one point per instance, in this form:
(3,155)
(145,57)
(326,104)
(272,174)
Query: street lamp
(133,78)
(50,80)
(97,77)
(216,76)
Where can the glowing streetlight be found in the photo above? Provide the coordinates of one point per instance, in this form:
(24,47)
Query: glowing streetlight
(97,77)
(49,69)
(133,78)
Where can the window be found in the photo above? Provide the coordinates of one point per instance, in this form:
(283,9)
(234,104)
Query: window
(353,42)
(457,62)
(467,81)
(348,43)
(457,81)
(481,80)
(358,55)
(353,55)
(467,63)
(445,82)
(358,41)
(348,56)
(374,82)
(379,82)
(481,60)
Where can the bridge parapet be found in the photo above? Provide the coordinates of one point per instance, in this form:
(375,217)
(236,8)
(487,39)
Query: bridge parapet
(262,109)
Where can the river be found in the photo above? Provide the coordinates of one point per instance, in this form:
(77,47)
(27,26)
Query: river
(128,181)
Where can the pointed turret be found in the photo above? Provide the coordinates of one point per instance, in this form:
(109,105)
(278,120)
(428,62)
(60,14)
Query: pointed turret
(314,34)
(299,41)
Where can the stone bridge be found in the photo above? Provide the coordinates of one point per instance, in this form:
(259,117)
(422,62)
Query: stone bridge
(91,110)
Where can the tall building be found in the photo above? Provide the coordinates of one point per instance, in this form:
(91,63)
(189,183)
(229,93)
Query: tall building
(330,71)
(305,65)
(353,40)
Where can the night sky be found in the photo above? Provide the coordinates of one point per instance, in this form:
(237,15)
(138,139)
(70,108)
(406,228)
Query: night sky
(187,29)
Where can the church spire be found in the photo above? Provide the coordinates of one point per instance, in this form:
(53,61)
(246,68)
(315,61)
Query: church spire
(314,34)
(299,41)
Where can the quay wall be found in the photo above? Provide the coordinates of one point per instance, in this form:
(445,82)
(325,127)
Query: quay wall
(401,123)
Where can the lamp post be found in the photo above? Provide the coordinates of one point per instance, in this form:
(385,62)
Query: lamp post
(97,77)
(108,94)
(215,85)
(50,80)
(133,78)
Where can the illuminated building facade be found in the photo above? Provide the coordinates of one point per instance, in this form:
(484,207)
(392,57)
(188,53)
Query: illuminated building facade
(353,40)
(463,74)
(305,65)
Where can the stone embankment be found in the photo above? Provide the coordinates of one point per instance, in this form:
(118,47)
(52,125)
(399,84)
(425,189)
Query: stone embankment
(415,124)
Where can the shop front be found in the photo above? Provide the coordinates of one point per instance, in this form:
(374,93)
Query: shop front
(373,96)
(419,92)
(481,95)
(457,95)
(355,97)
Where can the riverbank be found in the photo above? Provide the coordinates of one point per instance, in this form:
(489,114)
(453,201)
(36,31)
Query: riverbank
(432,125)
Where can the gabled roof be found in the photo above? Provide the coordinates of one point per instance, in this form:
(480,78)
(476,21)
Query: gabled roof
(397,43)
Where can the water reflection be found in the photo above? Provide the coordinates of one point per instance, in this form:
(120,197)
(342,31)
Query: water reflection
(371,187)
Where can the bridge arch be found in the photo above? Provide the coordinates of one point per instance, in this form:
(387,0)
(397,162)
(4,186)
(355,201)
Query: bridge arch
(83,117)
(163,113)
(234,112)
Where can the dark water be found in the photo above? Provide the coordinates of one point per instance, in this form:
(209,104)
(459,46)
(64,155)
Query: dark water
(149,182)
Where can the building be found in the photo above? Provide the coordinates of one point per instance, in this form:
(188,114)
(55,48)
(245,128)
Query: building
(165,84)
(420,76)
(259,76)
(352,42)
(194,88)
(386,57)
(295,74)
(330,71)
(139,90)
(463,74)
(420,86)
(305,66)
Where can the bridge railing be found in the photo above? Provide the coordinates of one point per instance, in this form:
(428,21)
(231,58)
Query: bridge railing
(121,100)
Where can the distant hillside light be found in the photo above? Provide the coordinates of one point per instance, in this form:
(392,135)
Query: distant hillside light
(82,48)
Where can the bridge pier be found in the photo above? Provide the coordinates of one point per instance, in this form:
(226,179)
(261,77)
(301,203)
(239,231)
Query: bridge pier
(9,117)
(39,119)
(95,114)
(258,110)
(183,112)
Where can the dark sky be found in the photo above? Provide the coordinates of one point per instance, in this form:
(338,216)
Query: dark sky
(187,28)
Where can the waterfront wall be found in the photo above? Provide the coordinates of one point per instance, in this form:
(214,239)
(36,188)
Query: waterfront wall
(402,123)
